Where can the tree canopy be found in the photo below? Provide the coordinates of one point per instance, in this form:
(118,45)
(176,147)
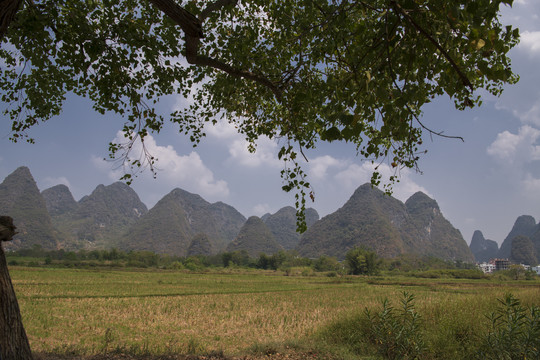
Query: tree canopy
(302,71)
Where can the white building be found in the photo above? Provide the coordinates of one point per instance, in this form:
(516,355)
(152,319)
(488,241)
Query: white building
(487,268)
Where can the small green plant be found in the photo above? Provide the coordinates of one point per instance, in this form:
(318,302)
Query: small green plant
(514,334)
(195,346)
(107,340)
(396,333)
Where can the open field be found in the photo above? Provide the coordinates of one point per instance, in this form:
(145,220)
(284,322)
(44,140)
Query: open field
(92,311)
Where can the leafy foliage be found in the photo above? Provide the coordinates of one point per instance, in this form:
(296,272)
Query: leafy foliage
(294,70)
(514,333)
(361,261)
(397,334)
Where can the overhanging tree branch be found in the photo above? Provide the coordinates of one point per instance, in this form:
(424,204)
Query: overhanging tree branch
(421,30)
(192,26)
(189,23)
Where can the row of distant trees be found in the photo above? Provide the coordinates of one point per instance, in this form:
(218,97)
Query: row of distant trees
(358,261)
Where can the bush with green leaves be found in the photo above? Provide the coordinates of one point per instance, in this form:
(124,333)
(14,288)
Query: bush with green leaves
(361,261)
(514,333)
(397,333)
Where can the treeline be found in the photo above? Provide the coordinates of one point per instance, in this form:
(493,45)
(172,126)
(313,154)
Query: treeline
(358,261)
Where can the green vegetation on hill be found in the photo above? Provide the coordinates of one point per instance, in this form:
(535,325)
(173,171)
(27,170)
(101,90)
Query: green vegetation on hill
(255,238)
(523,251)
(283,226)
(97,220)
(114,217)
(200,245)
(59,200)
(381,223)
(171,224)
(524,225)
(435,236)
(20,198)
(364,220)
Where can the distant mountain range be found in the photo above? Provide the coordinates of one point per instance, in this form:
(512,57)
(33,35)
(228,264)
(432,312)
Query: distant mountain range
(372,219)
(182,223)
(522,245)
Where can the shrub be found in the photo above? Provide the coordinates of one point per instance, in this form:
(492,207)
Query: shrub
(514,334)
(397,333)
(361,261)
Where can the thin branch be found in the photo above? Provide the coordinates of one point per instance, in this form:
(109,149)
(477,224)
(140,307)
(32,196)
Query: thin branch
(421,30)
(394,80)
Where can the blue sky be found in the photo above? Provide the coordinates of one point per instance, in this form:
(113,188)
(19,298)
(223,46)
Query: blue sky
(484,183)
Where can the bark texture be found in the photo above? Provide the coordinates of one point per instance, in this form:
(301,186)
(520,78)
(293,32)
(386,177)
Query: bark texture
(8,9)
(13,340)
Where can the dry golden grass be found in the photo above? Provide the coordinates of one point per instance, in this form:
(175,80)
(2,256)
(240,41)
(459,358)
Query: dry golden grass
(162,312)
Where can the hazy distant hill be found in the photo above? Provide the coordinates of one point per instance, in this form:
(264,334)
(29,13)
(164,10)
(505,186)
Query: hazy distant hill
(483,249)
(367,219)
(20,198)
(282,224)
(98,220)
(535,238)
(436,235)
(200,245)
(524,225)
(386,225)
(256,238)
(523,251)
(182,223)
(59,200)
(171,224)
(228,221)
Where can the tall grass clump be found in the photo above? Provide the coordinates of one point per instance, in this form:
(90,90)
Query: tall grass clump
(392,332)
(514,332)
(510,332)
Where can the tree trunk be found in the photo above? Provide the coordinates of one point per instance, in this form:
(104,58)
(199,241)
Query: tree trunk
(13,341)
(8,9)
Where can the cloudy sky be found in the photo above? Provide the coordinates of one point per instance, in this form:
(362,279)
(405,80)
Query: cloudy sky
(484,183)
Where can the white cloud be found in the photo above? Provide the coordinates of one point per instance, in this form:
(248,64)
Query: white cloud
(531,116)
(222,130)
(530,41)
(261,209)
(53,181)
(516,152)
(531,186)
(517,148)
(265,154)
(355,175)
(173,170)
(318,167)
